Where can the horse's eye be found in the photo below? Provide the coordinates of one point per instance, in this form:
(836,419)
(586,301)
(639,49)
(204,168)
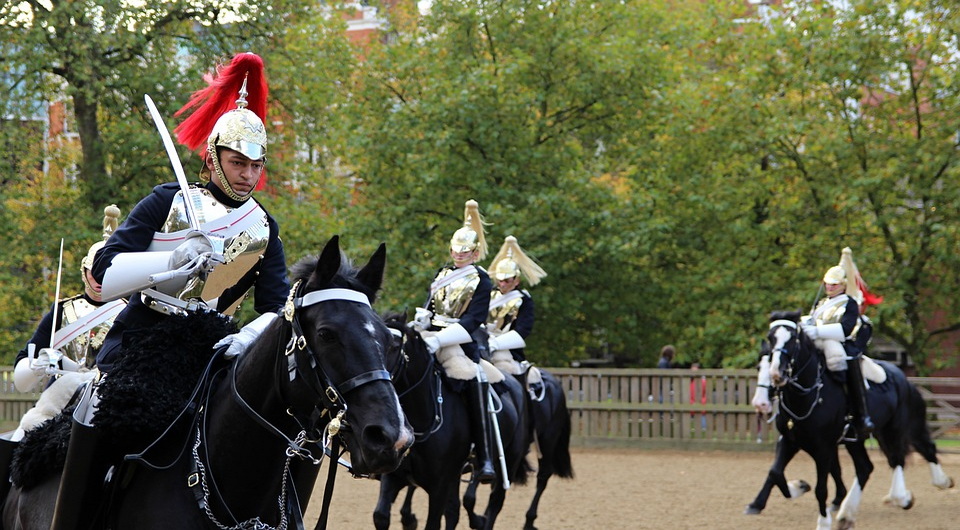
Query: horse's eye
(326,335)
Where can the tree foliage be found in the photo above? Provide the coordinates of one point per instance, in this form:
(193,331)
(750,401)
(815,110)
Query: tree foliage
(680,169)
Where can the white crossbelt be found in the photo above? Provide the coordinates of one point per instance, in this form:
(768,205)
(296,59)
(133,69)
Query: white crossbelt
(87,322)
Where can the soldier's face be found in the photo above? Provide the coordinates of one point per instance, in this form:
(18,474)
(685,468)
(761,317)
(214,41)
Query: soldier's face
(462,259)
(241,172)
(508,285)
(833,289)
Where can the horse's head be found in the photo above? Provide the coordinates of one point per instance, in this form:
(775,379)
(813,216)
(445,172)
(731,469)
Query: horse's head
(761,397)
(408,359)
(338,350)
(784,340)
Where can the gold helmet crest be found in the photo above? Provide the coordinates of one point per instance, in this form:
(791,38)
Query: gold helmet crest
(470,236)
(111,218)
(512,261)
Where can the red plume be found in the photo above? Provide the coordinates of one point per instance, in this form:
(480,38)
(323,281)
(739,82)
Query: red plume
(868,297)
(220,96)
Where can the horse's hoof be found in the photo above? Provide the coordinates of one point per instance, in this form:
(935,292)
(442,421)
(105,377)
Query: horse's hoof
(845,524)
(750,510)
(909,503)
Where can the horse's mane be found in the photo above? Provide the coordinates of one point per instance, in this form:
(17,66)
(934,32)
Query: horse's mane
(346,276)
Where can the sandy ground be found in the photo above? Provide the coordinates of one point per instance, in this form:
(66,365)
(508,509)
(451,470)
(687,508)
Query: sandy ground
(633,489)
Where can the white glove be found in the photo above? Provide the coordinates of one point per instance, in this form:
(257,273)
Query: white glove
(811,331)
(197,244)
(47,361)
(433,343)
(238,342)
(421,320)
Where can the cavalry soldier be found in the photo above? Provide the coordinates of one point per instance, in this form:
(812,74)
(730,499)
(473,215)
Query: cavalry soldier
(67,354)
(511,310)
(188,248)
(81,321)
(455,311)
(834,325)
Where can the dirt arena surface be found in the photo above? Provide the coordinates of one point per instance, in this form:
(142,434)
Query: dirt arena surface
(633,489)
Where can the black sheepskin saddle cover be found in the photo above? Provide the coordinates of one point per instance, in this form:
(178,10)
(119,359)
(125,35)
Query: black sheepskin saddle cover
(146,390)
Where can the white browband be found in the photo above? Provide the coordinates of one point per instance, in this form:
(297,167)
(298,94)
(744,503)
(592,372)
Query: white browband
(323,295)
(781,322)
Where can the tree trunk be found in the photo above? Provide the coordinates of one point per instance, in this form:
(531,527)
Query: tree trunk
(93,168)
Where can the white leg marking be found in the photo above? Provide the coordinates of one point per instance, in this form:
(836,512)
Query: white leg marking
(851,503)
(939,478)
(899,496)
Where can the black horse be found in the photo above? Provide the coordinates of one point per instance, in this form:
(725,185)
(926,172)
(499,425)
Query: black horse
(317,374)
(515,428)
(440,419)
(812,414)
(551,422)
(550,434)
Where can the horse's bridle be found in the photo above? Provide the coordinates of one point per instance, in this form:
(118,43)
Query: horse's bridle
(790,378)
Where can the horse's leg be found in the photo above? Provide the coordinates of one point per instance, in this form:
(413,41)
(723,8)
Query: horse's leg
(408,519)
(894,446)
(847,515)
(824,465)
(390,487)
(784,453)
(921,441)
(470,503)
(452,513)
(841,490)
(494,505)
(440,502)
(543,475)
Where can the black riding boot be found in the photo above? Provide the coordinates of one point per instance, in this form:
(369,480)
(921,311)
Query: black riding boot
(81,492)
(477,403)
(857,392)
(6,457)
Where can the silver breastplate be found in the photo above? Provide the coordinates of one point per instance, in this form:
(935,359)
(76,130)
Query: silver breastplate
(501,317)
(246,233)
(451,300)
(87,337)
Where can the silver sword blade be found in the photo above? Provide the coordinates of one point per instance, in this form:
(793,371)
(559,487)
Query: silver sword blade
(174,161)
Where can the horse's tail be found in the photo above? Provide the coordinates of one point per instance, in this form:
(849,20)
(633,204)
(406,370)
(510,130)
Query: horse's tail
(562,465)
(919,435)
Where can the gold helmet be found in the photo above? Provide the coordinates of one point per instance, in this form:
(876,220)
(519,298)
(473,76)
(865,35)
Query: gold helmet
(511,262)
(843,272)
(239,124)
(470,236)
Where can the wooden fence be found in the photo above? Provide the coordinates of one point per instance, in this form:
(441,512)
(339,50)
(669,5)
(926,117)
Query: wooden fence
(653,408)
(666,408)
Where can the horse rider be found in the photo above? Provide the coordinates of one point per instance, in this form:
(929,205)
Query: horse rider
(834,325)
(511,310)
(188,248)
(455,311)
(60,366)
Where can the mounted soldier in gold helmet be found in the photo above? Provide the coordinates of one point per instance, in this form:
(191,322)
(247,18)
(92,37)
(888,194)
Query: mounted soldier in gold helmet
(455,310)
(834,325)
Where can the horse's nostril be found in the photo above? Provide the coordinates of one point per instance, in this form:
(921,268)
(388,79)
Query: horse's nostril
(376,436)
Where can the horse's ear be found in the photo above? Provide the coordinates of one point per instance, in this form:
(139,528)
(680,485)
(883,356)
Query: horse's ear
(329,263)
(371,275)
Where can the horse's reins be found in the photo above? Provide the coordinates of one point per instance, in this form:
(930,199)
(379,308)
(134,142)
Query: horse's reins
(792,380)
(436,396)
